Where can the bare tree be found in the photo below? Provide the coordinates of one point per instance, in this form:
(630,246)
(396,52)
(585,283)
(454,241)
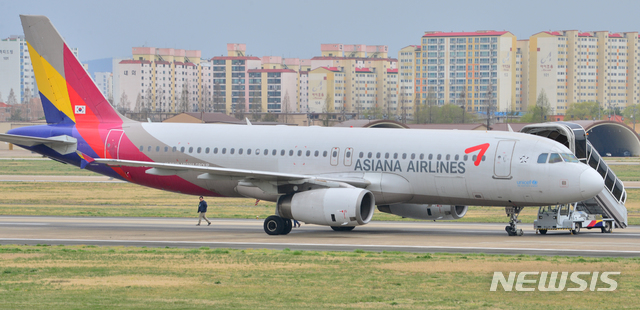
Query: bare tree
(327,109)
(206,99)
(139,103)
(1,97)
(417,111)
(218,101)
(256,105)
(463,101)
(239,107)
(489,99)
(11,100)
(432,99)
(184,98)
(285,107)
(148,100)
(124,101)
(403,105)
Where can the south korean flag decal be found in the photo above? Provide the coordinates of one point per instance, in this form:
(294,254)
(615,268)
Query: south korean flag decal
(81,109)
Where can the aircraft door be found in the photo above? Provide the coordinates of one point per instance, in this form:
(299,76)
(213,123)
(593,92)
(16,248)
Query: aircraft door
(348,154)
(335,154)
(112,144)
(502,162)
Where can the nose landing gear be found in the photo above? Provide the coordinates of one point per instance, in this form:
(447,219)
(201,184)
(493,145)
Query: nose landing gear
(512,228)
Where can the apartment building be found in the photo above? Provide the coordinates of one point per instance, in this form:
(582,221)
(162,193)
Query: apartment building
(478,66)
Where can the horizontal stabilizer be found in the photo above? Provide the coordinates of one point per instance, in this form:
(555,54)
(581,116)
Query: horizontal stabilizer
(62,144)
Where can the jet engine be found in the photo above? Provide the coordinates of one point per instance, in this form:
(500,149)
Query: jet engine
(425,212)
(332,206)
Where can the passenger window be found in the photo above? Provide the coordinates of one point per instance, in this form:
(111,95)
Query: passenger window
(484,158)
(281,152)
(266,152)
(316,153)
(421,156)
(149,148)
(430,156)
(249,152)
(555,158)
(199,150)
(206,150)
(141,148)
(404,155)
(378,155)
(369,155)
(308,153)
(324,154)
(174,149)
(299,153)
(448,156)
(240,151)
(335,154)
(191,149)
(224,150)
(290,152)
(182,149)
(465,158)
(473,159)
(348,154)
(386,155)
(215,150)
(439,157)
(232,150)
(361,154)
(395,155)
(542,158)
(274,152)
(413,156)
(166,149)
(457,157)
(157,149)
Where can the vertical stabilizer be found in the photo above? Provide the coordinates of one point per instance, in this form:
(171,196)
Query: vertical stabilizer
(68,94)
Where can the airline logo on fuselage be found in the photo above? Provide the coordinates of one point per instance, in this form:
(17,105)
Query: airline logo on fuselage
(422,166)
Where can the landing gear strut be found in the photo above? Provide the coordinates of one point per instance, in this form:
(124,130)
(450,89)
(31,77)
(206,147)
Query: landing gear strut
(512,228)
(275,225)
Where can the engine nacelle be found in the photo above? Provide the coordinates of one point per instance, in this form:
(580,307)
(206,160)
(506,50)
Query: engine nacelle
(425,212)
(331,206)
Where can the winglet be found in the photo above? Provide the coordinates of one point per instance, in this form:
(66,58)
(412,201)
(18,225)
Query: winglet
(84,159)
(248,122)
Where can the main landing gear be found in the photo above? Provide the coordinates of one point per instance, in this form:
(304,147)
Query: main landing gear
(512,228)
(275,225)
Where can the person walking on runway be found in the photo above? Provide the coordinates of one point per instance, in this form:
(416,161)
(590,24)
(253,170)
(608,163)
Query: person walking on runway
(202,209)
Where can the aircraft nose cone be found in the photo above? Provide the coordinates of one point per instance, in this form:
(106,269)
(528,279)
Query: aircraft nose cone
(591,183)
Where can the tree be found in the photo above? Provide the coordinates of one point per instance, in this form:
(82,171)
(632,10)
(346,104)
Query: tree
(327,109)
(256,106)
(148,100)
(403,106)
(539,112)
(239,107)
(632,113)
(417,111)
(285,107)
(1,97)
(432,100)
(184,98)
(139,103)
(582,110)
(124,101)
(218,101)
(206,99)
(11,100)
(26,99)
(16,113)
(463,102)
(489,101)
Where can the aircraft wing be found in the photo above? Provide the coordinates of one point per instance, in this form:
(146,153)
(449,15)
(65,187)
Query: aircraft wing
(62,144)
(253,176)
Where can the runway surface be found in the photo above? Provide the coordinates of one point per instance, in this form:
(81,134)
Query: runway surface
(420,237)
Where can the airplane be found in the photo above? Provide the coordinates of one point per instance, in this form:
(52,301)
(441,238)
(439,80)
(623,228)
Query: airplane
(326,176)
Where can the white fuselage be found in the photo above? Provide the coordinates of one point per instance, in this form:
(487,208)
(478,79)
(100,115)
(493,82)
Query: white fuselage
(410,166)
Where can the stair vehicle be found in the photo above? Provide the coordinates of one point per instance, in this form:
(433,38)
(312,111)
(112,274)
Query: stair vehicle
(569,217)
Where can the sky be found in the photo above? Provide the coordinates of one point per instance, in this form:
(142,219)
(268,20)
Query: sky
(296,28)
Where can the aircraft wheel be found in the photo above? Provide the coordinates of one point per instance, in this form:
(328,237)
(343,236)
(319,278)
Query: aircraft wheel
(509,231)
(343,228)
(577,230)
(288,225)
(273,225)
(542,231)
(606,228)
(519,232)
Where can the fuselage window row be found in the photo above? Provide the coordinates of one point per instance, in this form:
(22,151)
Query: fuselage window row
(541,159)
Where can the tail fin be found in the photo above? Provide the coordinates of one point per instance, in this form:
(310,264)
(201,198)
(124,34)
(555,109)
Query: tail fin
(68,94)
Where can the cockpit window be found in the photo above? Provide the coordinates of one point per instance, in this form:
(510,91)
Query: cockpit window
(570,158)
(555,158)
(543,158)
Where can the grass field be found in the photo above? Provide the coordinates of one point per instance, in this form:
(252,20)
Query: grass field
(80,277)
